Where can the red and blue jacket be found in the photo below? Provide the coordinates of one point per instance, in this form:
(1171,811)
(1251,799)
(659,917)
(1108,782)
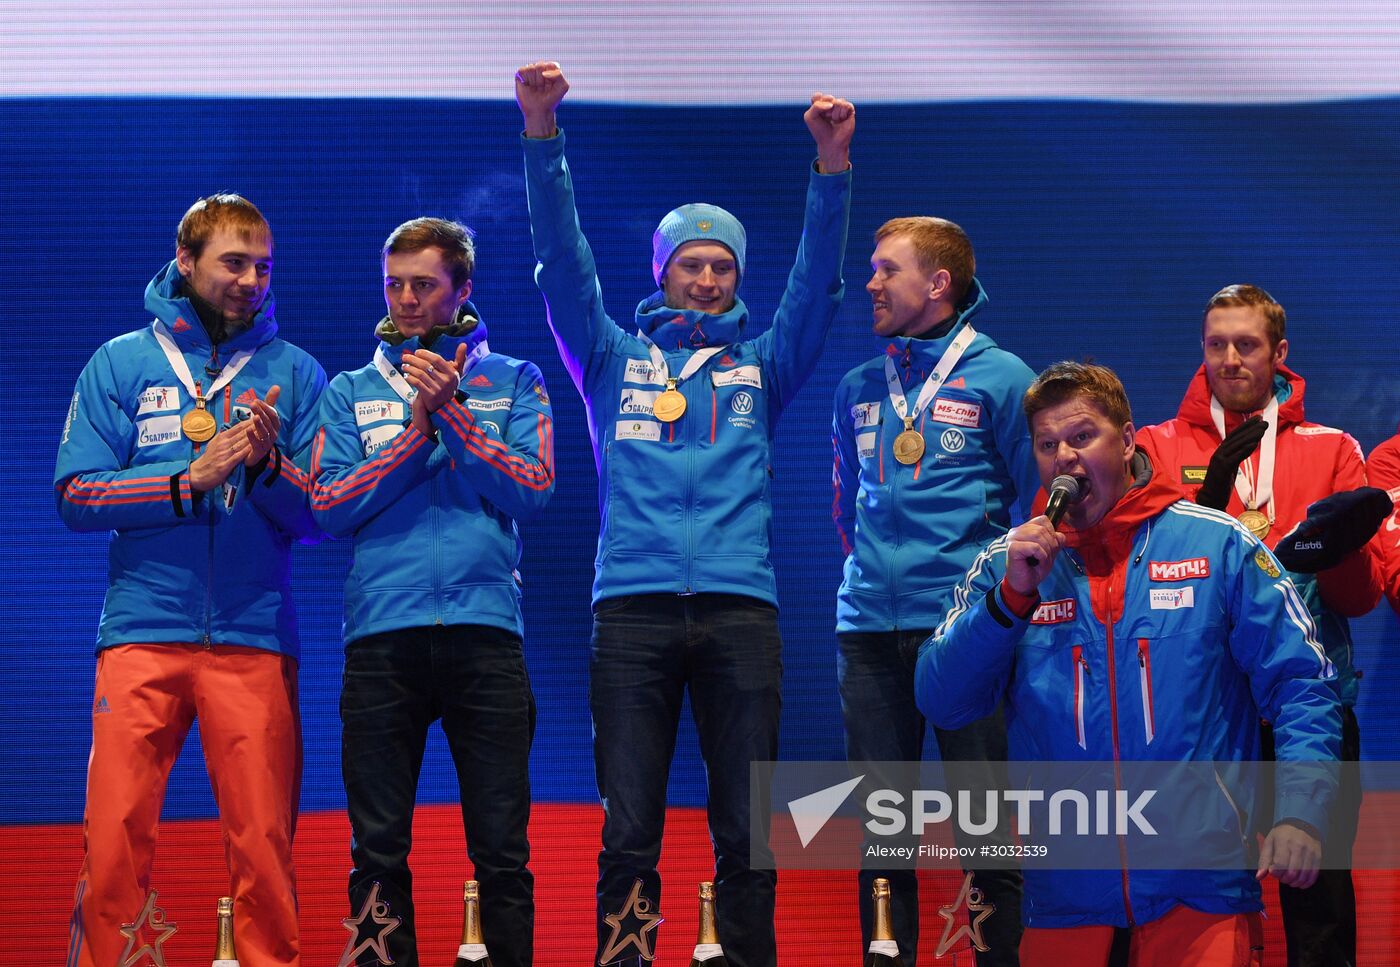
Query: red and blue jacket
(434,520)
(910,532)
(189,567)
(685,506)
(1162,634)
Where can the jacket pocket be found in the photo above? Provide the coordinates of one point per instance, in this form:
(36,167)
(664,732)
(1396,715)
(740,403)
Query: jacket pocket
(1149,727)
(1081,679)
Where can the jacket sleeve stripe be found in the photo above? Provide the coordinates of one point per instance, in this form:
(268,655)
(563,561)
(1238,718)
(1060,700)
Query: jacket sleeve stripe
(1298,614)
(536,476)
(296,476)
(113,493)
(404,444)
(135,484)
(117,501)
(836,496)
(1293,604)
(962,594)
(366,476)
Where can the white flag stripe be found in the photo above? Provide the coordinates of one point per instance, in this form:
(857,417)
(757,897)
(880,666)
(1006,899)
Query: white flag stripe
(1249,51)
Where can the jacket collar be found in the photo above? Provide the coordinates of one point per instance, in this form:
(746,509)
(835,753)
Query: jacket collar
(1147,496)
(166,300)
(673,329)
(468,329)
(1288,390)
(919,354)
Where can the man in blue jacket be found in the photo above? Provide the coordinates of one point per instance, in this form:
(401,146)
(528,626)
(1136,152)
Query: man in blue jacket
(186,441)
(1149,630)
(931,455)
(427,457)
(682,411)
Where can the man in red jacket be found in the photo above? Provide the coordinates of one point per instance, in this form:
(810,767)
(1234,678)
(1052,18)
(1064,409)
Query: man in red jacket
(1240,443)
(1383,470)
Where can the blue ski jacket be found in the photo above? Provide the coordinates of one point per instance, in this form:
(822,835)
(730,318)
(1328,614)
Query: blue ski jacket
(910,532)
(434,520)
(185,566)
(684,506)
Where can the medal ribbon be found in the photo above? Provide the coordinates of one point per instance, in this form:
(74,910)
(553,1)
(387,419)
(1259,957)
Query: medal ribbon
(692,365)
(182,369)
(400,385)
(1254,490)
(935,381)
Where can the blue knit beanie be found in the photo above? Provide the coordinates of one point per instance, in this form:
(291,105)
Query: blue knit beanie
(696,223)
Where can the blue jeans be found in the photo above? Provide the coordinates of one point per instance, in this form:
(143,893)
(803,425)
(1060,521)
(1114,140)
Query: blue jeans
(396,684)
(646,651)
(875,675)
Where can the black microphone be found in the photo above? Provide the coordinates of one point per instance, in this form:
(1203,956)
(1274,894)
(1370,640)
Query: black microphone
(1064,490)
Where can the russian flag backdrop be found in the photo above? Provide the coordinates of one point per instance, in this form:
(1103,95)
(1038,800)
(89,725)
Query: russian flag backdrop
(1115,163)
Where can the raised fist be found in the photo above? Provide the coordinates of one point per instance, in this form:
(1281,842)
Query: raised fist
(539,87)
(832,121)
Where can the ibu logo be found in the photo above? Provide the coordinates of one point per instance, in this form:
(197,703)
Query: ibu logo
(952,440)
(743,403)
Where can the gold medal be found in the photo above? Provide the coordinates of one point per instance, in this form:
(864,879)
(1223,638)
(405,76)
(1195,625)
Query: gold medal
(670,405)
(198,423)
(1257,523)
(909,445)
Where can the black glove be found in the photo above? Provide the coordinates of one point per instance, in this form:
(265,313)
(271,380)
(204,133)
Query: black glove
(1335,527)
(1238,444)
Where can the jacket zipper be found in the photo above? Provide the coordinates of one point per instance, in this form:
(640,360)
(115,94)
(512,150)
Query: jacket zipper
(1117,758)
(1149,726)
(1080,672)
(437,567)
(689,442)
(209,583)
(209,570)
(1239,814)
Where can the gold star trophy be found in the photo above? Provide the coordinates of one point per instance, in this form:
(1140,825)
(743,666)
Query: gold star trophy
(970,899)
(376,911)
(636,912)
(138,945)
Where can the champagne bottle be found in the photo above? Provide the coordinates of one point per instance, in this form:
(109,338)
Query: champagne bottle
(472,952)
(707,949)
(883,952)
(224,953)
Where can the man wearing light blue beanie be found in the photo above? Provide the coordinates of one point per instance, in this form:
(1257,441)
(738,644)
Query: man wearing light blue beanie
(683,411)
